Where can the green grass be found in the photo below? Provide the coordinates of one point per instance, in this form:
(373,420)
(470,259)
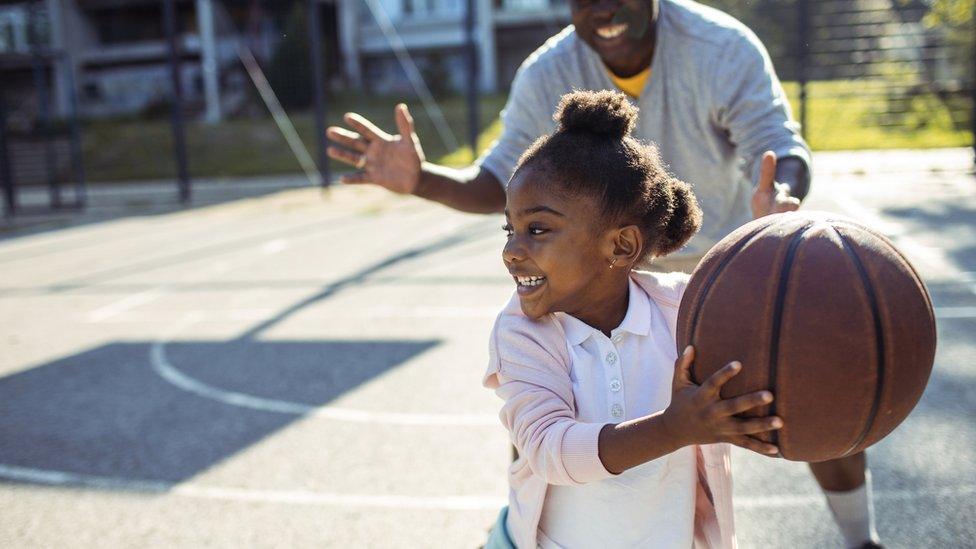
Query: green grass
(840,117)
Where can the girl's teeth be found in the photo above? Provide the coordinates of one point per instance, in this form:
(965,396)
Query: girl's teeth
(529,280)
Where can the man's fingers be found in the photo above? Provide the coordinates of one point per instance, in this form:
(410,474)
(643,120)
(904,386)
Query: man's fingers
(786,203)
(744,403)
(755,445)
(347,138)
(404,121)
(715,382)
(355,178)
(365,127)
(343,155)
(767,171)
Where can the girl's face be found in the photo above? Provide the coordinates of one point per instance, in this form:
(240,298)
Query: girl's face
(556,252)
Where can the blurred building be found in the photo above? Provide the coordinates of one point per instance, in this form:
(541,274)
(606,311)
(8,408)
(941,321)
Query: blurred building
(433,31)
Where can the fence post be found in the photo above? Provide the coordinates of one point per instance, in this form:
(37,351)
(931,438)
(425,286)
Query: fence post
(803,59)
(473,80)
(40,69)
(179,138)
(318,75)
(6,174)
(77,160)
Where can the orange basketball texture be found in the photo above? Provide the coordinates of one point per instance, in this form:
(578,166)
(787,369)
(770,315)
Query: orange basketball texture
(824,312)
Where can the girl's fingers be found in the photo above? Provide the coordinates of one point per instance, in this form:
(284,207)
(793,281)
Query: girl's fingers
(682,367)
(744,403)
(756,426)
(347,138)
(343,155)
(365,127)
(715,382)
(755,445)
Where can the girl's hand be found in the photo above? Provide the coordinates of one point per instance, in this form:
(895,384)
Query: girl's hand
(699,415)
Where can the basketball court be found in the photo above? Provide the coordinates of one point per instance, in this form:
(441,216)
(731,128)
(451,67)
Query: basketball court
(279,368)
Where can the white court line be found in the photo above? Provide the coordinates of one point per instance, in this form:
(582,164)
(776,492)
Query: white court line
(147,296)
(292,497)
(274,246)
(391,501)
(129,302)
(163,368)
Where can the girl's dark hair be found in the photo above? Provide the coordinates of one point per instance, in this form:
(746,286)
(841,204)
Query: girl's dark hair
(592,153)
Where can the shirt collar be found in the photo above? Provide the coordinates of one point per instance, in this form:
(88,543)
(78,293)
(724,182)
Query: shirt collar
(637,321)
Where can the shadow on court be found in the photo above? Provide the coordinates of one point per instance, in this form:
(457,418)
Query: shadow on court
(107,412)
(954,223)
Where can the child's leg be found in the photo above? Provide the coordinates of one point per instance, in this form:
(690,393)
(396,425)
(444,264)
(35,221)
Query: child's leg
(846,482)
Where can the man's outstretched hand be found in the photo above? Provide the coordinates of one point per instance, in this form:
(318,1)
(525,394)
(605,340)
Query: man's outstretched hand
(390,161)
(771,197)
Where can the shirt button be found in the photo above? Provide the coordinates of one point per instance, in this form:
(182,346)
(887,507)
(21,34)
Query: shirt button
(615,385)
(616,410)
(611,358)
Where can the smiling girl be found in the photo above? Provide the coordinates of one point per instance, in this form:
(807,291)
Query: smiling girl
(616,443)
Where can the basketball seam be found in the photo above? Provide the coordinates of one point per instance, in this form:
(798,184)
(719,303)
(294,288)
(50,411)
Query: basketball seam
(918,278)
(784,278)
(697,306)
(878,338)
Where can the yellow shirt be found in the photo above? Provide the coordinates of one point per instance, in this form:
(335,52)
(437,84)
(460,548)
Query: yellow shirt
(631,86)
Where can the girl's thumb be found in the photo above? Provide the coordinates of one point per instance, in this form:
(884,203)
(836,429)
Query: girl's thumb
(682,366)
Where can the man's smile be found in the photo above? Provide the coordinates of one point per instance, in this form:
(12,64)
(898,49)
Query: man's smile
(609,32)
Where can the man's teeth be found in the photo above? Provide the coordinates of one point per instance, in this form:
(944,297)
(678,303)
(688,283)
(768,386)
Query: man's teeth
(611,31)
(529,280)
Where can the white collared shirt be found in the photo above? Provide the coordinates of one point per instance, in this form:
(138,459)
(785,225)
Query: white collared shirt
(615,379)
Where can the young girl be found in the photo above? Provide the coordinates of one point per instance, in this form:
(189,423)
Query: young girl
(608,425)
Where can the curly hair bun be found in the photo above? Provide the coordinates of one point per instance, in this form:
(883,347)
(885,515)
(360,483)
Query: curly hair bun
(603,112)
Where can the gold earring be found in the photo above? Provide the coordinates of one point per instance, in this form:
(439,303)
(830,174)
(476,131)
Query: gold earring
(613,262)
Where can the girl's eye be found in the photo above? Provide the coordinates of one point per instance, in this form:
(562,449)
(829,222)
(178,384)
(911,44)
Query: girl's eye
(537,230)
(508,230)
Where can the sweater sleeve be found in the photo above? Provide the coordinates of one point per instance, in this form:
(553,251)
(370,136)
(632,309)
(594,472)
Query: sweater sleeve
(530,375)
(750,105)
(523,119)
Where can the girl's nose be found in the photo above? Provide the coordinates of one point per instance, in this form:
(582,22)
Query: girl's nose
(513,252)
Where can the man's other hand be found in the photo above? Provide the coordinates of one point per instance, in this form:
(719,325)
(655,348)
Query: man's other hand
(390,161)
(771,197)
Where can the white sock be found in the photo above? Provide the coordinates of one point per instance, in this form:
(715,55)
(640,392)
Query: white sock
(854,512)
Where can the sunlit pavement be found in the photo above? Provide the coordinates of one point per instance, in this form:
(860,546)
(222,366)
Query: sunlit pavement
(292,370)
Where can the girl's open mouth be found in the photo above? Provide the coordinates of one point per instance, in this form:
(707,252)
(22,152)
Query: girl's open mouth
(528,284)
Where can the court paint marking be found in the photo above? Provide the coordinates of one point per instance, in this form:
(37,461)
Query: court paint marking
(392,501)
(146,296)
(274,246)
(163,368)
(129,302)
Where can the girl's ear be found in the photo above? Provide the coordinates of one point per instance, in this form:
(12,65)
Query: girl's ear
(628,242)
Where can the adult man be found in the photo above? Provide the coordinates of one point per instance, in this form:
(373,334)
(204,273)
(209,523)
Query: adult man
(708,97)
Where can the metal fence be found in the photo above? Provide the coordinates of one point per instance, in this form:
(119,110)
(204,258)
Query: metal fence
(183,89)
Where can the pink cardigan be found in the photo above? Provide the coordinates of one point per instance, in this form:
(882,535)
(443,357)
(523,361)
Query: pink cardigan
(529,369)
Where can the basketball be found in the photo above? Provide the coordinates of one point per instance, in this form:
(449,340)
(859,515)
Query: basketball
(824,312)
